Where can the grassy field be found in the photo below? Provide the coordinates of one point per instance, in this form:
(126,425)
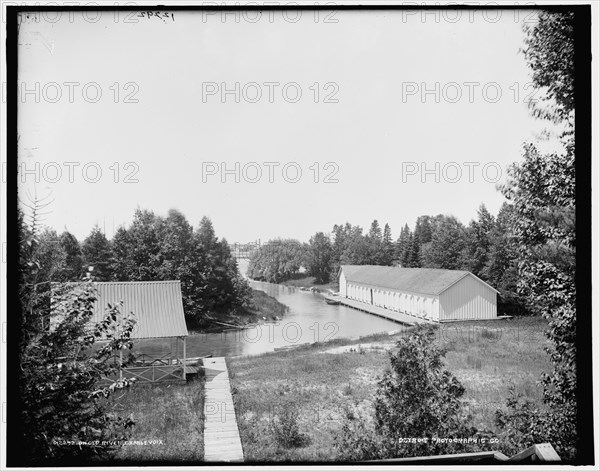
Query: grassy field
(170,414)
(487,357)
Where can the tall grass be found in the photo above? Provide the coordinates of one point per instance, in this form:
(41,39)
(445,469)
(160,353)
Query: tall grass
(170,414)
(267,306)
(487,357)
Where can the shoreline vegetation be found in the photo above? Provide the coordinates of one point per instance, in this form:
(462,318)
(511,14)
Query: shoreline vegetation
(321,383)
(310,282)
(262,308)
(518,378)
(488,357)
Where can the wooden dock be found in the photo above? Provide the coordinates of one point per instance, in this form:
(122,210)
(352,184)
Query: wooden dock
(221,435)
(395,316)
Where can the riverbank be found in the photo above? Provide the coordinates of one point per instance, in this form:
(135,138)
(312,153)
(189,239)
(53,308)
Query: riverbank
(323,380)
(309,282)
(263,308)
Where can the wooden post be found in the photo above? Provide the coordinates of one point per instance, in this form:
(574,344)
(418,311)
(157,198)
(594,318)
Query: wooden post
(121,364)
(184,360)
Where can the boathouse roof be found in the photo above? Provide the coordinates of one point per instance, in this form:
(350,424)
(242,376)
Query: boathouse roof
(429,281)
(157,306)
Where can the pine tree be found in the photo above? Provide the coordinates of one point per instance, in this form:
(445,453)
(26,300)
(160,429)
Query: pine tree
(447,246)
(406,254)
(423,229)
(402,245)
(387,251)
(97,253)
(414,253)
(74,258)
(478,242)
(375,242)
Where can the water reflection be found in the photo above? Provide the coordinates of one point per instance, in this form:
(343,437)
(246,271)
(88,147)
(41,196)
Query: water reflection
(309,320)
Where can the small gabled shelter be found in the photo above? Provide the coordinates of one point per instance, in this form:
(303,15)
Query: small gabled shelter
(160,319)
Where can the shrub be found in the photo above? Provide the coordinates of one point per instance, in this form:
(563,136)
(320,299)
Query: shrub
(60,400)
(61,373)
(416,398)
(286,429)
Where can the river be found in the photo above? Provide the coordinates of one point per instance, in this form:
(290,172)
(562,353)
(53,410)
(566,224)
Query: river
(308,320)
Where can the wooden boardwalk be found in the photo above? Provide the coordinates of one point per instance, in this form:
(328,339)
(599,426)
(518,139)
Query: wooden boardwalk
(221,435)
(381,312)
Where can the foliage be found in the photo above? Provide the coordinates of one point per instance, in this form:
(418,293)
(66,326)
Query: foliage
(264,305)
(402,246)
(387,247)
(221,288)
(542,191)
(277,260)
(424,228)
(413,255)
(550,54)
(318,257)
(417,397)
(517,424)
(171,414)
(51,256)
(157,248)
(61,364)
(286,429)
(340,236)
(358,440)
(374,241)
(97,253)
(447,246)
(154,248)
(501,267)
(358,248)
(478,243)
(73,257)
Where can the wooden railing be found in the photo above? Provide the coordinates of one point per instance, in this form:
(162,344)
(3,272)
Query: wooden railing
(148,369)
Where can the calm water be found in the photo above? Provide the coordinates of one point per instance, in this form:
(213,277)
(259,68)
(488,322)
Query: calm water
(309,319)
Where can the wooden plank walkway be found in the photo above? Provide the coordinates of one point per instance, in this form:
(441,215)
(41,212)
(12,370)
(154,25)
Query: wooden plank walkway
(221,435)
(381,312)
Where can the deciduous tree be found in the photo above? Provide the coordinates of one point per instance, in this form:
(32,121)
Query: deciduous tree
(318,257)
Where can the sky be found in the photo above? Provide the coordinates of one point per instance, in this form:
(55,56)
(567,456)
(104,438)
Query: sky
(278,125)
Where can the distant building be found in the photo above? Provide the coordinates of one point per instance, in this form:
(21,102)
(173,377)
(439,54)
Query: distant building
(429,293)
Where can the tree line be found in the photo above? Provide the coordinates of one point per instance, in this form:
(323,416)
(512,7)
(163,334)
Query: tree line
(486,247)
(528,252)
(59,398)
(153,248)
